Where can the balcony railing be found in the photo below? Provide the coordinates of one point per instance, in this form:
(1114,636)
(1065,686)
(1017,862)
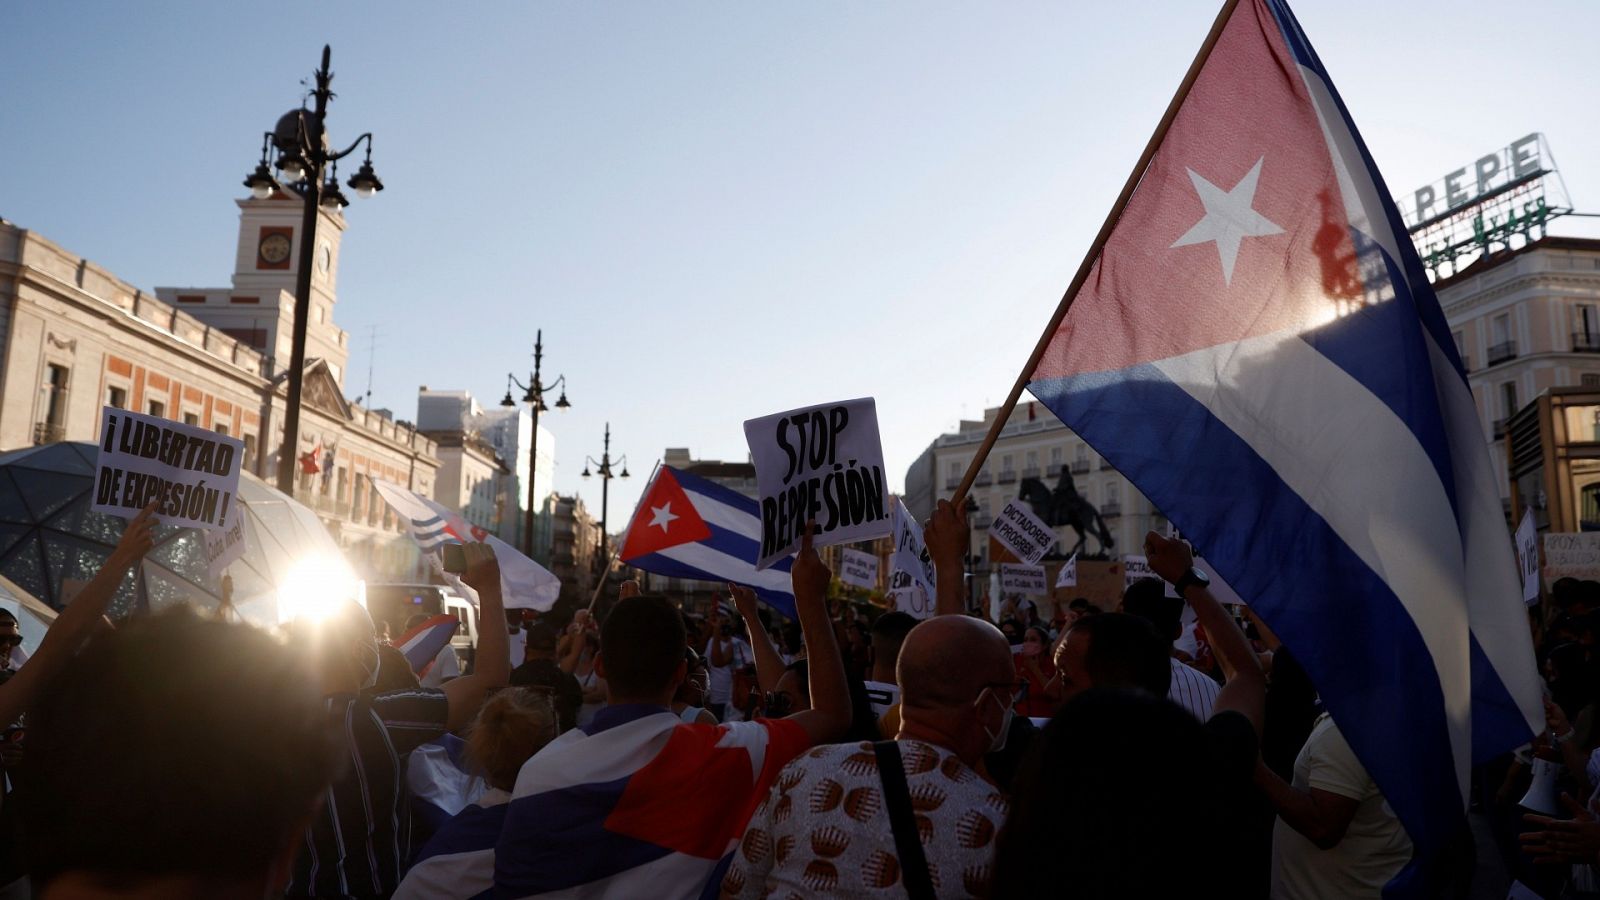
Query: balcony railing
(952,482)
(48,433)
(1008,476)
(984,479)
(1111,508)
(1054,470)
(1499,353)
(1080,466)
(1030,472)
(1585,342)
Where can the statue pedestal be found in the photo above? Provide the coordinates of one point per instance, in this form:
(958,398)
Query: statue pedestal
(1101,581)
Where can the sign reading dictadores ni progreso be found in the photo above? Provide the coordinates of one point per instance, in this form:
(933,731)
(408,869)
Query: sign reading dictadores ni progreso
(191,474)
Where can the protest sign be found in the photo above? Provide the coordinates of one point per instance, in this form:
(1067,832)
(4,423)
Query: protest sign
(1569,555)
(190,473)
(223,547)
(1135,568)
(1017,529)
(1026,580)
(1528,557)
(858,569)
(823,464)
(1068,576)
(911,577)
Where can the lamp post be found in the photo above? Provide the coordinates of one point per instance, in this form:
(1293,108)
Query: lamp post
(534,396)
(603,469)
(301,139)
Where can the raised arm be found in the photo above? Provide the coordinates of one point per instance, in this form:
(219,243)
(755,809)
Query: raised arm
(1246,688)
(945,536)
(769,664)
(493,667)
(830,713)
(79,620)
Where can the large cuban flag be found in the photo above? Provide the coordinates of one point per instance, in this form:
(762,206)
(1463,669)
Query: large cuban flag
(1257,347)
(688,527)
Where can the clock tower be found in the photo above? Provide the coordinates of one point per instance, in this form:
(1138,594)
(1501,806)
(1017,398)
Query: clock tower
(265,268)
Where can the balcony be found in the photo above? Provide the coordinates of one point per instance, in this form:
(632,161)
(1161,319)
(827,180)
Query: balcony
(1054,470)
(1008,476)
(1111,509)
(1080,467)
(981,520)
(1105,465)
(48,433)
(1030,472)
(984,479)
(1585,342)
(1499,353)
(952,482)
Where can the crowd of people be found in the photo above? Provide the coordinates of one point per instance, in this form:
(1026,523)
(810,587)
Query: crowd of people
(652,752)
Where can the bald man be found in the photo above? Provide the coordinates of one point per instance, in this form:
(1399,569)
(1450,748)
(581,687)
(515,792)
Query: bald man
(825,828)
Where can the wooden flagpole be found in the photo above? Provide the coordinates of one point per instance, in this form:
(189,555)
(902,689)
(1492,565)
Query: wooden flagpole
(1095,247)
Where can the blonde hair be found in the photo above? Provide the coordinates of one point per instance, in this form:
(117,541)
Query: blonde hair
(513,725)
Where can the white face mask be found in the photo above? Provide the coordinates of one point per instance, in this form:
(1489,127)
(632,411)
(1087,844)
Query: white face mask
(997,741)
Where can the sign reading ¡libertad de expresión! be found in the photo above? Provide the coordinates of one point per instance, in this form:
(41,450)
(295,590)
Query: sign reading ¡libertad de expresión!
(823,464)
(191,474)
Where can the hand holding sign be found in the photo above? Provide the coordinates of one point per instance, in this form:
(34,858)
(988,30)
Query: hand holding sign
(808,574)
(136,539)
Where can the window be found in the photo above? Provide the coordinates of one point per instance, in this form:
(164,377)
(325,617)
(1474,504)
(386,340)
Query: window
(361,495)
(55,409)
(1055,456)
(191,419)
(1587,323)
(1590,379)
(1031,459)
(1500,328)
(157,409)
(222,429)
(250,452)
(117,397)
(955,469)
(1007,463)
(1113,492)
(343,490)
(1508,398)
(1081,453)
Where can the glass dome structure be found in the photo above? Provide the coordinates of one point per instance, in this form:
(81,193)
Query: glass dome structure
(49,539)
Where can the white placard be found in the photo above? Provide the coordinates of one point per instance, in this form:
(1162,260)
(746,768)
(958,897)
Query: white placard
(191,474)
(1528,557)
(858,569)
(1068,576)
(223,547)
(824,464)
(1572,555)
(1028,581)
(911,575)
(1026,535)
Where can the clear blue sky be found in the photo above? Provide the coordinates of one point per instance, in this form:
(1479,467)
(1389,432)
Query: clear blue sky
(714,211)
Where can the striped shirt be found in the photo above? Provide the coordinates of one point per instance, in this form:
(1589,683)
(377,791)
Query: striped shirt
(357,845)
(1193,690)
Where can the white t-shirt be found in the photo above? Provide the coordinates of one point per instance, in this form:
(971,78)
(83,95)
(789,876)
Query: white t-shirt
(1192,689)
(1375,847)
(721,688)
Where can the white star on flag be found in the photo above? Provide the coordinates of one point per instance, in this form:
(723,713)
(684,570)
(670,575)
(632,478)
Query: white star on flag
(662,515)
(1229,217)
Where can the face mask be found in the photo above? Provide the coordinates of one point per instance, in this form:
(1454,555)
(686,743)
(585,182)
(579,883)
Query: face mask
(997,741)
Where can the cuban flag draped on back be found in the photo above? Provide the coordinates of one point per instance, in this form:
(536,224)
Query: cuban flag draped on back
(688,527)
(524,584)
(1260,306)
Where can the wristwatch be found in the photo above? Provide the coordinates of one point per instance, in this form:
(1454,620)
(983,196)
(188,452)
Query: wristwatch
(1192,578)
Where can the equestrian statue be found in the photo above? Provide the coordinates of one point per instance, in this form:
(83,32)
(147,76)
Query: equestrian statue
(1065,506)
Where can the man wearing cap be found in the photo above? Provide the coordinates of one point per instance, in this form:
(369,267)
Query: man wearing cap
(540,670)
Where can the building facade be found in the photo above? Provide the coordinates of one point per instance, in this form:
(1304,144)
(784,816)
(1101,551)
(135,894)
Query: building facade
(574,545)
(1033,446)
(1524,322)
(509,432)
(74,338)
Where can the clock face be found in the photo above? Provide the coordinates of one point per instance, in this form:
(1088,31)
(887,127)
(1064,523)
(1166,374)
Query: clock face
(324,257)
(274,248)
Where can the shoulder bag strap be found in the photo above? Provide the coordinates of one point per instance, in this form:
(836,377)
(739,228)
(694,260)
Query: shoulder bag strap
(907,842)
